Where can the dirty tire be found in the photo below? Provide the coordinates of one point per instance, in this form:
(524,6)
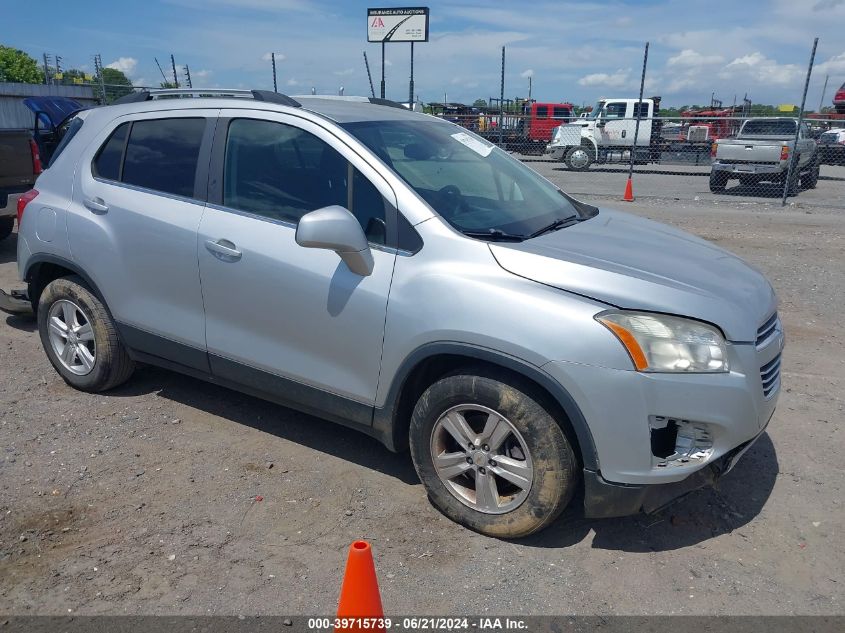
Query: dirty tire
(810,178)
(6,226)
(718,181)
(112,365)
(555,472)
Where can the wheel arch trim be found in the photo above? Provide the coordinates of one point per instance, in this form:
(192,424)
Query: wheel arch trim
(390,429)
(45,258)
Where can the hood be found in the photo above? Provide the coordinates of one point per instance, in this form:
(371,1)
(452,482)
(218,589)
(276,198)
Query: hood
(637,264)
(55,109)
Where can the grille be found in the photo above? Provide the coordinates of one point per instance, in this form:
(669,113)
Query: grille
(766,330)
(770,376)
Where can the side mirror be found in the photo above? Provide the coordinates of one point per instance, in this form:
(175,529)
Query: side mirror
(336,229)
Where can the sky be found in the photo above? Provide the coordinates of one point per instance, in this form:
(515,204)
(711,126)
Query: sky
(575,51)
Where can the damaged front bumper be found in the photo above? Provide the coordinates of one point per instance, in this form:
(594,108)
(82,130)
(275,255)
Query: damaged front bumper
(604,500)
(15,302)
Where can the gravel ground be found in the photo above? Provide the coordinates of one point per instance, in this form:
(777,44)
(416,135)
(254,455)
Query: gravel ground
(173,496)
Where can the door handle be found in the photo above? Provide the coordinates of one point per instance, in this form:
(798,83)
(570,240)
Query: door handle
(97,205)
(223,249)
(623,133)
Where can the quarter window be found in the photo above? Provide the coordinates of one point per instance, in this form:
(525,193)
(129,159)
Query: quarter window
(542,112)
(281,172)
(162,154)
(109,158)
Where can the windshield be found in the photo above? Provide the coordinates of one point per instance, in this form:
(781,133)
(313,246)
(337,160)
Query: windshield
(769,127)
(473,185)
(596,111)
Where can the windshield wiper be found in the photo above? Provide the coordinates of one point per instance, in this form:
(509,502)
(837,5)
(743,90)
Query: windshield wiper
(495,235)
(557,224)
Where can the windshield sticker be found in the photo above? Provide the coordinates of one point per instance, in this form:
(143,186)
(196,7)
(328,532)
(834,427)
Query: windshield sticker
(476,145)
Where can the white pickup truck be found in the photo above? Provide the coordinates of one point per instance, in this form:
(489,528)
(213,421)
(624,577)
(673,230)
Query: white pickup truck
(762,151)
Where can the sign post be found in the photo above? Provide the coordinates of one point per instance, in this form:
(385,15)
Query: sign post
(398,24)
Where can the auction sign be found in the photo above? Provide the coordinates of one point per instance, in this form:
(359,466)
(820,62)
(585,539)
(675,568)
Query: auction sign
(409,24)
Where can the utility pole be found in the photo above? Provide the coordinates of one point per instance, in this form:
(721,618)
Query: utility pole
(411,84)
(188,76)
(173,65)
(382,69)
(824,90)
(369,76)
(46,69)
(273,61)
(98,67)
(529,88)
(502,101)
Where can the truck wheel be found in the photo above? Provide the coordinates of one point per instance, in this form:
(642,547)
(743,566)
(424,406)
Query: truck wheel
(748,181)
(718,181)
(810,179)
(578,158)
(79,337)
(6,226)
(793,186)
(490,455)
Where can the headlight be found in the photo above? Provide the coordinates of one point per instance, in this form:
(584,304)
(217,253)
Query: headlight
(662,343)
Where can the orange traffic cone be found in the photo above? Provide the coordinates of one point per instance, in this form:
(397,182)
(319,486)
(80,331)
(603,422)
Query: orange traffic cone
(359,594)
(629,192)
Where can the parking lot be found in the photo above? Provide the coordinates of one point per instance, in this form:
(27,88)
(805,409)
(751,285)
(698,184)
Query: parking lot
(170,495)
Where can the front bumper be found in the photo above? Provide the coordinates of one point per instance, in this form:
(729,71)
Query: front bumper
(661,428)
(605,500)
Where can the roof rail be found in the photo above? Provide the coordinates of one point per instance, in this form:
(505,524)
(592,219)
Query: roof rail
(171,93)
(386,102)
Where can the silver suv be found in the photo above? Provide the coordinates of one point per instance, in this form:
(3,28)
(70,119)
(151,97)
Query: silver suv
(395,273)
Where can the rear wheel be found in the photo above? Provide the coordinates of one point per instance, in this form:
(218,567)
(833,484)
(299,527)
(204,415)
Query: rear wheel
(79,337)
(490,455)
(810,179)
(718,181)
(579,158)
(6,225)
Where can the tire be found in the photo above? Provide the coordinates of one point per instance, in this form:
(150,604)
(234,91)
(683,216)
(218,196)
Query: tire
(578,158)
(106,364)
(525,434)
(793,185)
(6,226)
(718,181)
(810,179)
(748,181)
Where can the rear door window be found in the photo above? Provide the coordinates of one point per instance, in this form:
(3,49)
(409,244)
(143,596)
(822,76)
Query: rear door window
(162,155)
(615,110)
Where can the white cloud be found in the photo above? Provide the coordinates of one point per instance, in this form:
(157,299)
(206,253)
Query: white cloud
(609,80)
(344,73)
(691,58)
(293,82)
(202,74)
(527,73)
(835,65)
(625,20)
(269,56)
(126,65)
(759,68)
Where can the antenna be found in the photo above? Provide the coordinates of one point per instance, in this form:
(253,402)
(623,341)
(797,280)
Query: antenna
(163,76)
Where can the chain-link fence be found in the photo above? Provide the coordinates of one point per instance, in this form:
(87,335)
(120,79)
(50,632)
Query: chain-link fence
(718,153)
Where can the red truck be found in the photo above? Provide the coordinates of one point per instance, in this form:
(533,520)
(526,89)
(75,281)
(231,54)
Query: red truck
(839,100)
(529,131)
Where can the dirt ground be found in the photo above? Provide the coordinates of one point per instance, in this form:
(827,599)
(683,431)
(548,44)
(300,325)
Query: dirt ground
(144,500)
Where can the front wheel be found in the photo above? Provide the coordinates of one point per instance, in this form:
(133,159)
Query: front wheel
(579,158)
(79,337)
(490,455)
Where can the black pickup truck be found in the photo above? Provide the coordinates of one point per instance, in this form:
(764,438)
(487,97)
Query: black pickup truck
(25,152)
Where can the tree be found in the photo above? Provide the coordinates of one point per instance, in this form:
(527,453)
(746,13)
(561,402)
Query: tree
(117,84)
(479,103)
(17,66)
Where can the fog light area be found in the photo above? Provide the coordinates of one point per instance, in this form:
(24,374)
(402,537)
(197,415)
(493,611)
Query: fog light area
(675,442)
